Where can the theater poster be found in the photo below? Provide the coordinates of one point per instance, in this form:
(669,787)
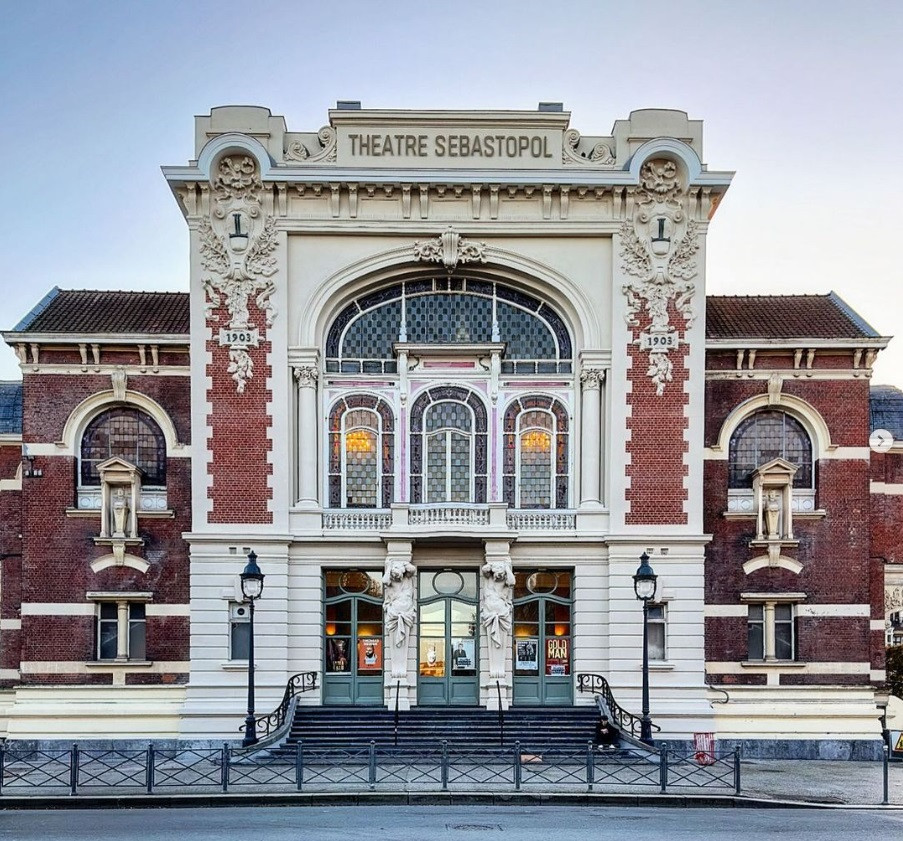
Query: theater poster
(558,656)
(369,655)
(526,655)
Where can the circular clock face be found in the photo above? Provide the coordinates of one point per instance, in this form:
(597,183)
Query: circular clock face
(881,440)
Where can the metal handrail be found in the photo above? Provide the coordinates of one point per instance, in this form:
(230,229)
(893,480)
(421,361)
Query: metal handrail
(498,687)
(397,690)
(271,722)
(621,718)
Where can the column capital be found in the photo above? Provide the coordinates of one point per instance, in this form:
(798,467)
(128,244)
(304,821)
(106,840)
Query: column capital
(592,378)
(306,376)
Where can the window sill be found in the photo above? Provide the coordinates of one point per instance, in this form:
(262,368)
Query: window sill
(166,514)
(119,664)
(661,666)
(772,664)
(234,665)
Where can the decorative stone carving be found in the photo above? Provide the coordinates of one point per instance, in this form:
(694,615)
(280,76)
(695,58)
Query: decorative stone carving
(893,599)
(450,249)
(599,155)
(119,380)
(306,377)
(495,612)
(120,493)
(591,378)
(299,153)
(775,384)
(399,610)
(237,246)
(658,249)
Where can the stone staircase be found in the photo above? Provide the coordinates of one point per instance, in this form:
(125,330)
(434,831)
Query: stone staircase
(425,728)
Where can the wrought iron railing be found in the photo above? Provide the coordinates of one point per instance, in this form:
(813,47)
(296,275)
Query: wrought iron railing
(150,770)
(270,723)
(617,715)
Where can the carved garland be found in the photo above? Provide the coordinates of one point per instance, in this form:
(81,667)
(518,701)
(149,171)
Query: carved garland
(658,249)
(237,245)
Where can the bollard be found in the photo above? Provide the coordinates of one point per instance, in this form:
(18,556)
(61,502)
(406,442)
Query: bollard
(224,769)
(444,766)
(149,768)
(737,770)
(590,765)
(663,770)
(517,766)
(299,766)
(885,757)
(73,769)
(372,763)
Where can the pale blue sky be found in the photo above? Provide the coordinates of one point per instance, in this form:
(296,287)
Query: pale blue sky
(801,98)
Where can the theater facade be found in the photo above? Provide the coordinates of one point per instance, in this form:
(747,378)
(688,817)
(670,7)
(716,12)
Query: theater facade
(449,375)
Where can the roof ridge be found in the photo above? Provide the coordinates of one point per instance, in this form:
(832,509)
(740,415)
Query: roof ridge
(37,309)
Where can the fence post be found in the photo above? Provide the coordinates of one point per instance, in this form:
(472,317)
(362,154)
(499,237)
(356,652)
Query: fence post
(663,770)
(444,766)
(149,768)
(224,772)
(517,766)
(299,766)
(372,762)
(73,769)
(886,799)
(590,765)
(737,770)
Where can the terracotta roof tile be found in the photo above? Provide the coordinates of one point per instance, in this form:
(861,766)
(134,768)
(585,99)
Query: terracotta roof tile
(98,311)
(783,317)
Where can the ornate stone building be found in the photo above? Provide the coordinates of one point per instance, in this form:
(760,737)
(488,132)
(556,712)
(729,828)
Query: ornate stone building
(449,374)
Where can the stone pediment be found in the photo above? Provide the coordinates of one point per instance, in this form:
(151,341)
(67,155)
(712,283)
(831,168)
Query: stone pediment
(778,468)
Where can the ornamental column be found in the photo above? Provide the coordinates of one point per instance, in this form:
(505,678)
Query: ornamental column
(591,380)
(306,377)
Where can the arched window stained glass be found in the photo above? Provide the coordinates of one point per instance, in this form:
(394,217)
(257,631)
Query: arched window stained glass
(361,453)
(130,434)
(535,467)
(448,311)
(763,437)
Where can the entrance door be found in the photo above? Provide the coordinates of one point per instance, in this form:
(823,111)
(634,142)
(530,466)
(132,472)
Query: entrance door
(353,637)
(447,638)
(542,638)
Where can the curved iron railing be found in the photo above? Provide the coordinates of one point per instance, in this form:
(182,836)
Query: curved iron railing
(301,682)
(621,718)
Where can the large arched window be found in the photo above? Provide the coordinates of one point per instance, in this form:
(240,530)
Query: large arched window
(763,437)
(361,453)
(536,453)
(448,446)
(448,311)
(130,434)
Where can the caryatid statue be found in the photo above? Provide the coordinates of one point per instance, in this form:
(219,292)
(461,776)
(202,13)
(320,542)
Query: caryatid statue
(400,612)
(495,613)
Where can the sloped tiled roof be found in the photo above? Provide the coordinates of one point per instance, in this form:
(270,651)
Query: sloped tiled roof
(886,409)
(98,311)
(784,317)
(10,408)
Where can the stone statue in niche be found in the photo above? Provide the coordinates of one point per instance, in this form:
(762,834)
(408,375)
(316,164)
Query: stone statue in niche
(773,514)
(495,612)
(120,507)
(400,611)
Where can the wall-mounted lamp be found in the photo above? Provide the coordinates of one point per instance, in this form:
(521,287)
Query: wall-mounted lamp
(29,471)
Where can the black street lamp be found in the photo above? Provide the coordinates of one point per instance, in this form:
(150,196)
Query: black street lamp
(644,586)
(251,588)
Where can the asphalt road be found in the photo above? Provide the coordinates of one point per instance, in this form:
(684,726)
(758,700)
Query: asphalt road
(463,823)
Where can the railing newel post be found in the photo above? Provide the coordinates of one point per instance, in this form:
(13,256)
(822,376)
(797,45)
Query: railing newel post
(224,770)
(299,766)
(372,765)
(149,768)
(444,765)
(73,769)
(737,770)
(517,766)
(590,765)
(663,770)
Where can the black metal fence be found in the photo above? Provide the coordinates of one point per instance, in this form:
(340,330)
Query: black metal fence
(78,770)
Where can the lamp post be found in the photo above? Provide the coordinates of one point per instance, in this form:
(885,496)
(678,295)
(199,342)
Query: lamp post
(251,588)
(644,586)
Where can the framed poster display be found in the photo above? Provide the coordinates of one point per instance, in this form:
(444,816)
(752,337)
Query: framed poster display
(369,654)
(432,658)
(526,655)
(558,656)
(337,655)
(463,656)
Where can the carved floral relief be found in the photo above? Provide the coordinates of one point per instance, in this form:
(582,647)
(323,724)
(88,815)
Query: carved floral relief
(237,245)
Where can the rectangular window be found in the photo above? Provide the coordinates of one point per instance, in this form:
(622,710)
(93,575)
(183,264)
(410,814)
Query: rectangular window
(239,631)
(134,636)
(756,632)
(658,618)
(783,632)
(107,631)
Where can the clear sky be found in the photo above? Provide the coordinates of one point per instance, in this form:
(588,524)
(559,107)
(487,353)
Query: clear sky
(800,97)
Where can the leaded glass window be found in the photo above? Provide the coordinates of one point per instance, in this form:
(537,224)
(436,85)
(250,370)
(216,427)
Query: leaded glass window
(448,311)
(448,446)
(361,453)
(536,453)
(128,434)
(764,437)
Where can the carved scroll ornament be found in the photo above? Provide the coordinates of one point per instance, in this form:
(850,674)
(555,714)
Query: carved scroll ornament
(450,249)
